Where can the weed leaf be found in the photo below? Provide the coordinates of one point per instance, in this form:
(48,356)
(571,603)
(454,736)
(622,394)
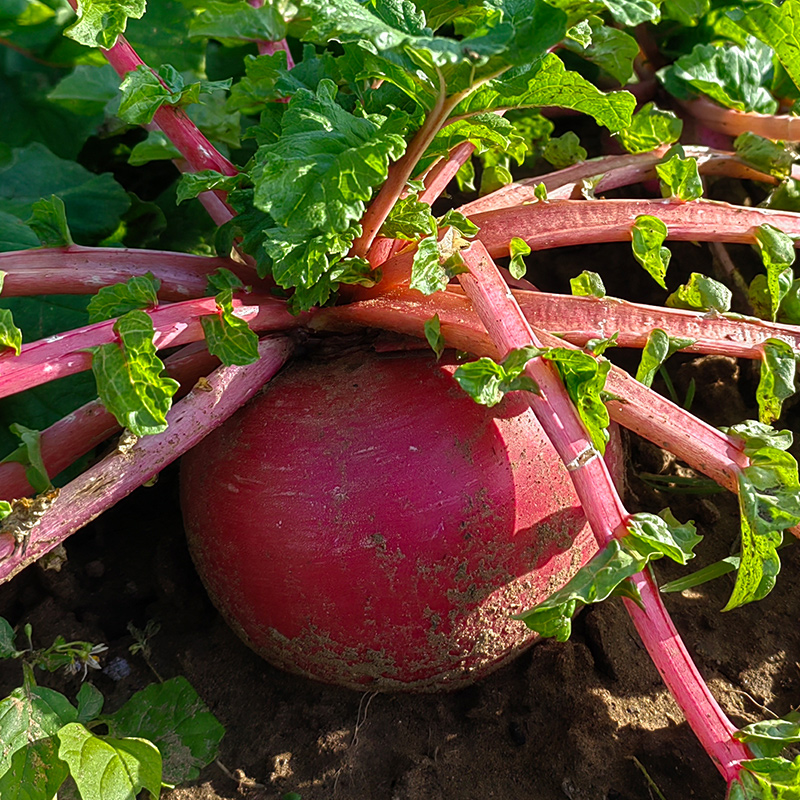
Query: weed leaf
(105,768)
(172,716)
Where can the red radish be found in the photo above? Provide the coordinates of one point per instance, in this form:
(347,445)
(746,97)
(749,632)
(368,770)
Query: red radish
(365,523)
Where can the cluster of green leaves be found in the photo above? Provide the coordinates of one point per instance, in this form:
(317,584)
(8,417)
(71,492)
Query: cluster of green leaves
(353,109)
(162,736)
(769,774)
(769,503)
(607,574)
(583,374)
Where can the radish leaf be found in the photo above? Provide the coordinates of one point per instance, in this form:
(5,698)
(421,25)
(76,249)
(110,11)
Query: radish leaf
(584,378)
(138,292)
(518,248)
(650,128)
(548,83)
(647,236)
(101,22)
(409,219)
(433,333)
(229,337)
(231,23)
(680,178)
(701,294)
(776,383)
(731,75)
(587,284)
(658,348)
(49,222)
(564,151)
(771,157)
(486,381)
(649,537)
(769,503)
(778,254)
(776,26)
(610,49)
(10,334)
(29,454)
(129,379)
(428,274)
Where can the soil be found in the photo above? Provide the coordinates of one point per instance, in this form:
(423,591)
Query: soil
(586,720)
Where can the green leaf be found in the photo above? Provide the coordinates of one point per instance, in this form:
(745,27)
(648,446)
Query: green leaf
(772,735)
(30,718)
(172,716)
(767,779)
(658,348)
(455,219)
(7,636)
(650,128)
(192,184)
(584,377)
(486,381)
(409,219)
(109,769)
(648,234)
(609,48)
(778,27)
(701,576)
(323,169)
(49,222)
(129,379)
(487,132)
(30,455)
(769,502)
(229,337)
(90,702)
(222,279)
(652,536)
(428,274)
(680,178)
(599,346)
(766,155)
(101,22)
(138,292)
(732,76)
(757,435)
(156,147)
(231,23)
(687,12)
(549,83)
(518,249)
(10,334)
(632,12)
(87,90)
(649,537)
(564,151)
(145,91)
(701,294)
(15,234)
(433,333)
(596,581)
(776,383)
(587,284)
(94,203)
(777,254)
